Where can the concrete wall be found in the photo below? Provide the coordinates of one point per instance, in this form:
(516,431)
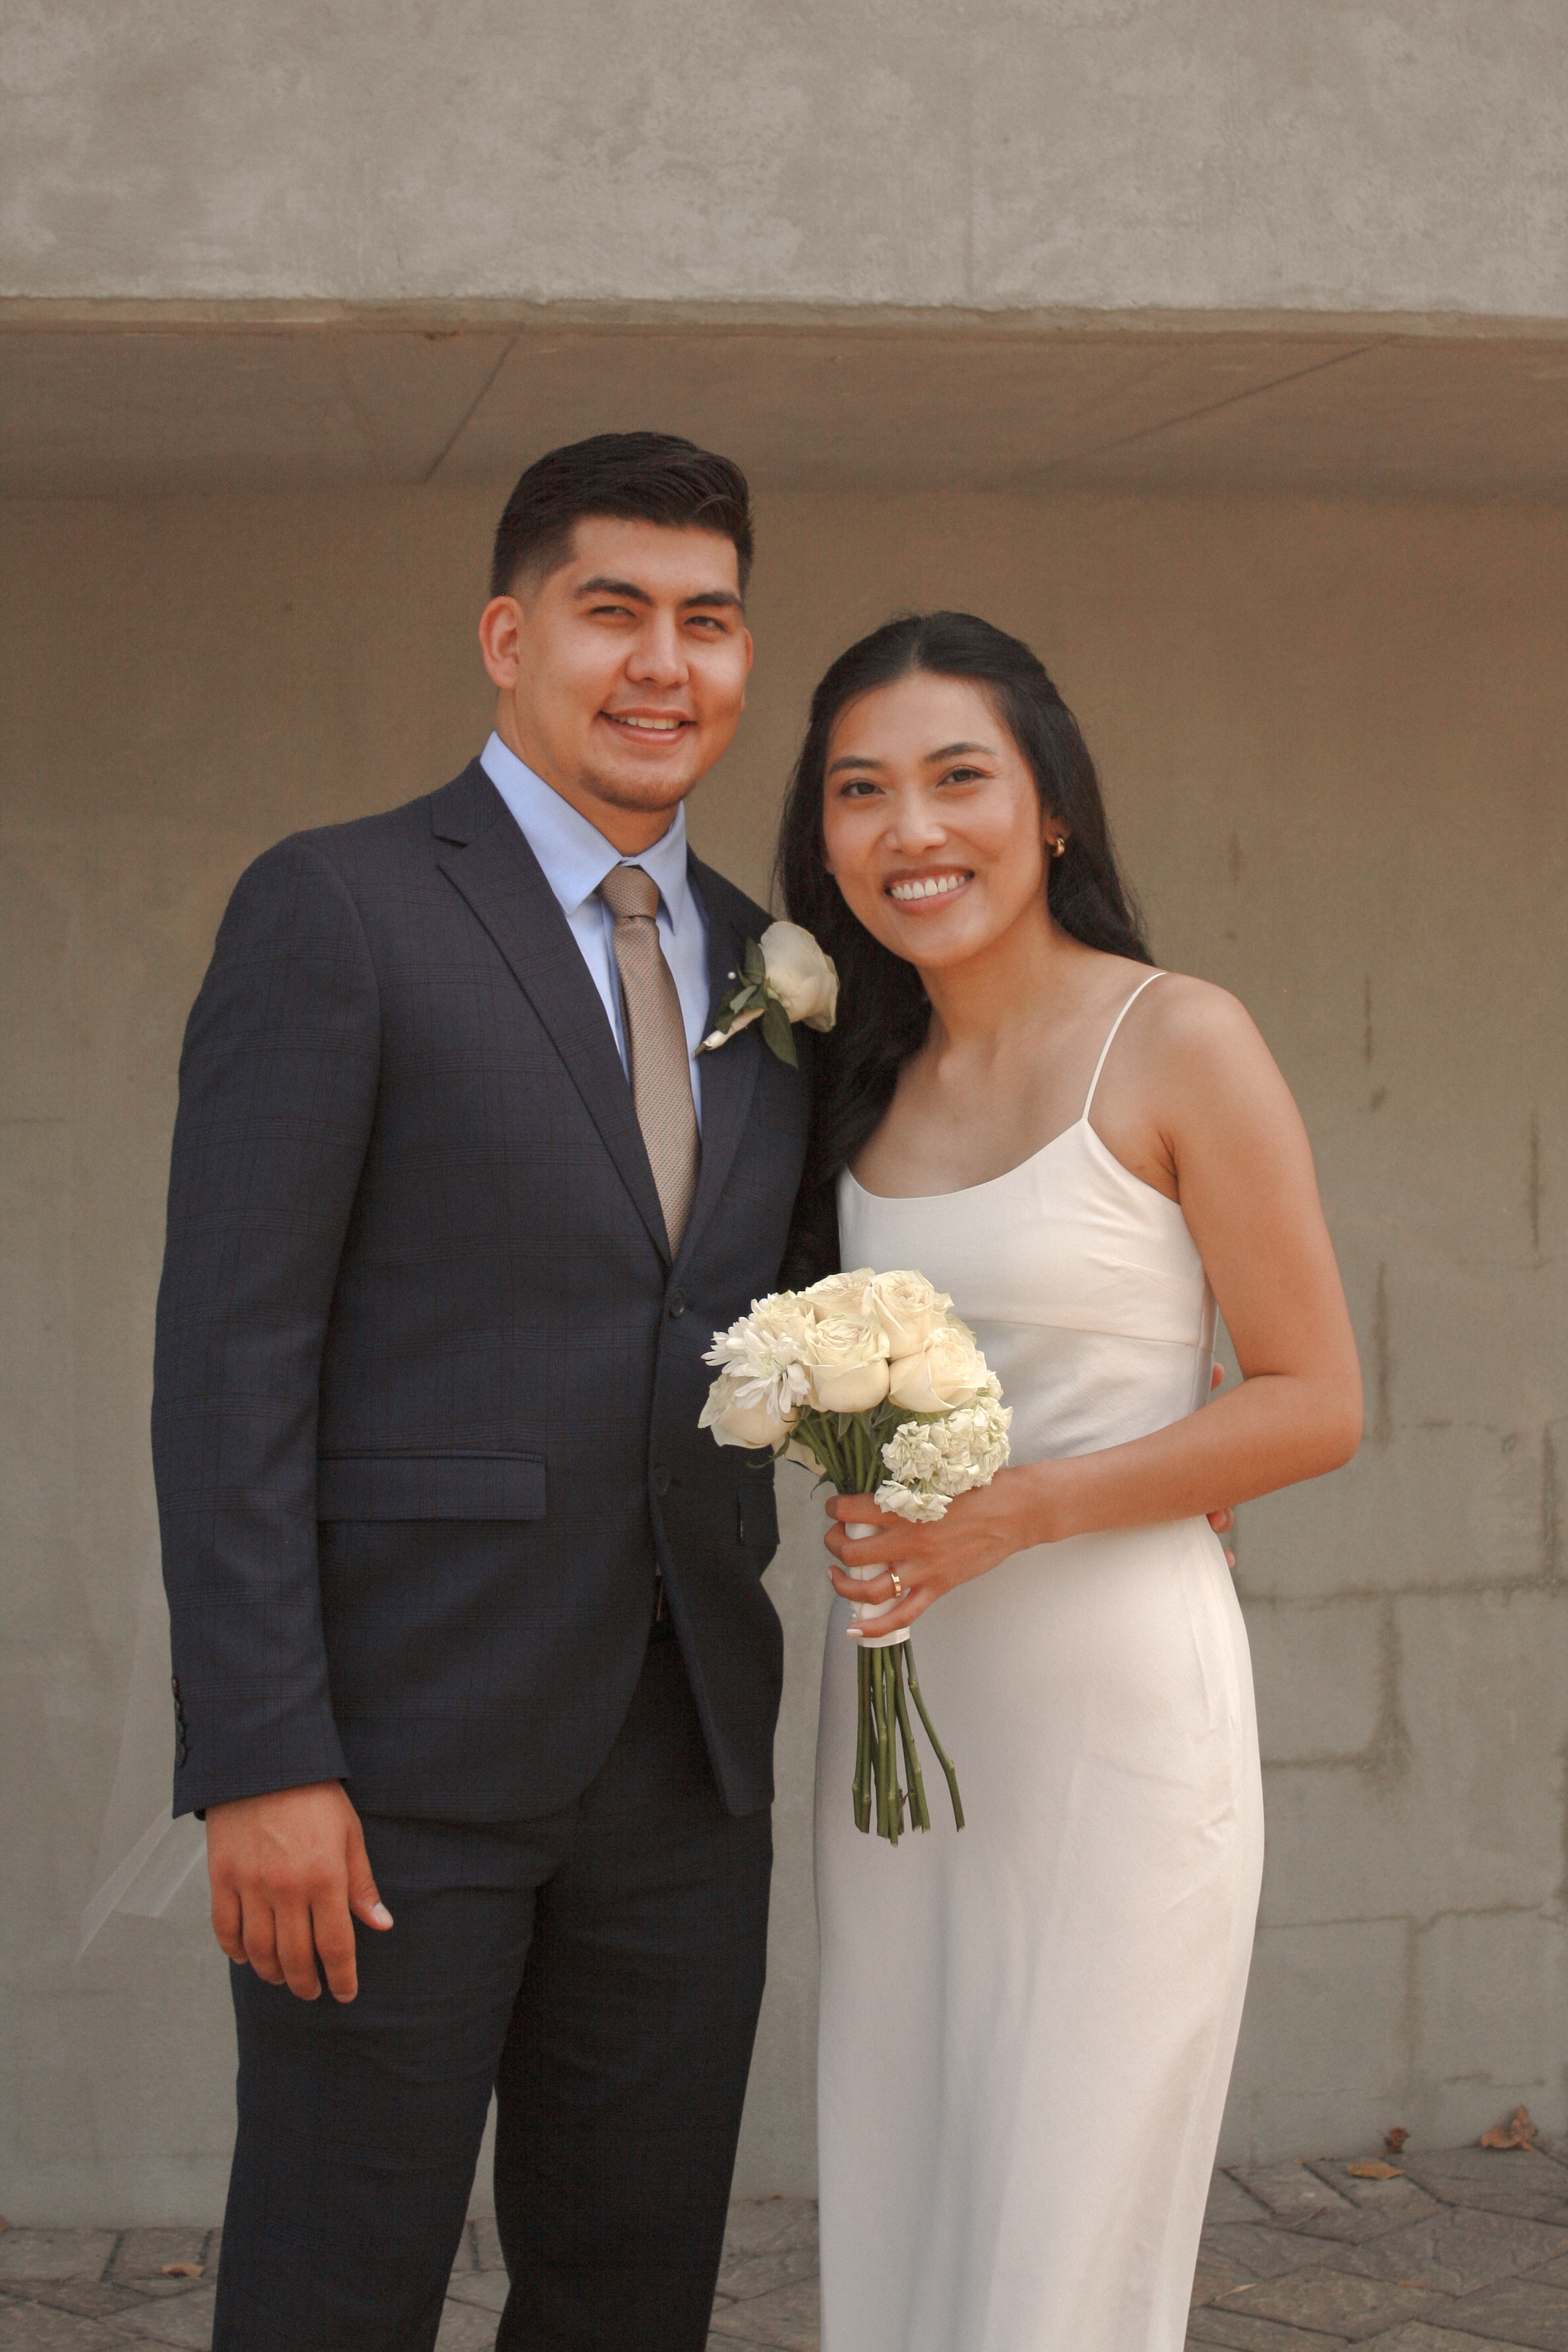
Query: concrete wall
(1348,155)
(1333,737)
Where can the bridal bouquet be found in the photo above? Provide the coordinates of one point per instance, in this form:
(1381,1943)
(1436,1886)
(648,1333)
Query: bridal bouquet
(870,1380)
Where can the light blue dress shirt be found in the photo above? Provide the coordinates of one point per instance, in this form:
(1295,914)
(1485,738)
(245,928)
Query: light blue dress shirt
(575,858)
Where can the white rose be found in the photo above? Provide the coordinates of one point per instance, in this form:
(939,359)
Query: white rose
(735,1423)
(805,980)
(839,1294)
(848,1363)
(947,1369)
(908,1307)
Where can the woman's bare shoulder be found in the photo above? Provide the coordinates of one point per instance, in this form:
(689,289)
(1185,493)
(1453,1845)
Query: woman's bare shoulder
(1183,1006)
(1191,1030)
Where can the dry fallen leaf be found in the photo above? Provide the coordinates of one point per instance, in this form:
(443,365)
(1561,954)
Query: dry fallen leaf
(1394,2140)
(180,2269)
(1518,2132)
(1374,2169)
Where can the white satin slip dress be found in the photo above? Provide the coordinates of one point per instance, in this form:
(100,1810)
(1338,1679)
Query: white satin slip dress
(1027,2029)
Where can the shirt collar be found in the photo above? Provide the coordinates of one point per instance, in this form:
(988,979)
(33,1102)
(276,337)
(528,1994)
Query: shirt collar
(573,852)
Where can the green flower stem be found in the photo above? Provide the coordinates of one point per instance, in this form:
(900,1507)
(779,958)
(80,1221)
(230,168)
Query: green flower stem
(889,1747)
(849,1447)
(941,1756)
(878,1776)
(891,1812)
(919,1812)
(863,1740)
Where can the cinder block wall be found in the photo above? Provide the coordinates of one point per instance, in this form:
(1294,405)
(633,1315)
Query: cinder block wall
(1331,738)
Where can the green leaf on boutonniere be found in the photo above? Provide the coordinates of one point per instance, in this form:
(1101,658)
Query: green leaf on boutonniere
(751,997)
(777,1031)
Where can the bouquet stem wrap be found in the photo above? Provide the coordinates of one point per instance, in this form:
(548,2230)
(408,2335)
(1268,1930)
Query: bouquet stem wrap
(868,1380)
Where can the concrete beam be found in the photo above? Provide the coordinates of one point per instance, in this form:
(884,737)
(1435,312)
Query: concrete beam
(106,406)
(1353,156)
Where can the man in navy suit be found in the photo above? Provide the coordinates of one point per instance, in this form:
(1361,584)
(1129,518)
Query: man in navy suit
(475,1677)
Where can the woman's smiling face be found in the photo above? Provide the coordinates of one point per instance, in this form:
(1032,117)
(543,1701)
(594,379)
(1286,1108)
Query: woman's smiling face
(932,820)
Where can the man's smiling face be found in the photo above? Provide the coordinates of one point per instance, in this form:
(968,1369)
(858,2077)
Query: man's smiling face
(621,675)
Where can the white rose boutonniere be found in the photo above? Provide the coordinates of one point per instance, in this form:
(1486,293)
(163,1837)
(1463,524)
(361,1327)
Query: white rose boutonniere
(784,977)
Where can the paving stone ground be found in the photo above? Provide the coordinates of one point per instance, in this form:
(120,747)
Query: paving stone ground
(1466,2250)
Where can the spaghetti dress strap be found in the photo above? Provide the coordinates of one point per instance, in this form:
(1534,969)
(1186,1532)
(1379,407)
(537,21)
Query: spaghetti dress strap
(1111,1040)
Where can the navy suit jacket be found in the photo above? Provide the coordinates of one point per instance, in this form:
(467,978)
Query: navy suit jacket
(427,1381)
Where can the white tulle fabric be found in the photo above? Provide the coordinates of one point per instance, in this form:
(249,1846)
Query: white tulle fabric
(1027,2030)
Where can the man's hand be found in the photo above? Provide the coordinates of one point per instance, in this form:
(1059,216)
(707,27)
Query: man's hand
(287,1870)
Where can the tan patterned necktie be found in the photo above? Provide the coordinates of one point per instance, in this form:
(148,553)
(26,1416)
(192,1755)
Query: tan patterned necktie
(656,1044)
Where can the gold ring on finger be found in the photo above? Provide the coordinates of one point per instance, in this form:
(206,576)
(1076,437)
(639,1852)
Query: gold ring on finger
(897,1584)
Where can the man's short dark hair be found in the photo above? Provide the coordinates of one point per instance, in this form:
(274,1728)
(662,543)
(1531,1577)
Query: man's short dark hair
(640,477)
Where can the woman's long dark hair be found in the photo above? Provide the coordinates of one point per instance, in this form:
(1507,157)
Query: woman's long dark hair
(883,1009)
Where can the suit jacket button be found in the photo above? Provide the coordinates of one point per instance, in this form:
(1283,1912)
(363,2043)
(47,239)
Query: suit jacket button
(661,1481)
(181,1752)
(174,1684)
(676,1303)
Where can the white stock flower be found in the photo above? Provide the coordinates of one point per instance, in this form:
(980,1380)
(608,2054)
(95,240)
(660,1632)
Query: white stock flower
(908,1307)
(946,1370)
(901,1502)
(849,1358)
(929,1462)
(804,979)
(765,1355)
(733,1422)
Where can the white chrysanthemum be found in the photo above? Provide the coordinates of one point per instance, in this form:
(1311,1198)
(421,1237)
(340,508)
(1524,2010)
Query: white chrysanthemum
(931,1462)
(767,1356)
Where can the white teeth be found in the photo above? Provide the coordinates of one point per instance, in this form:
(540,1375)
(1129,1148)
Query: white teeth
(652,726)
(932,886)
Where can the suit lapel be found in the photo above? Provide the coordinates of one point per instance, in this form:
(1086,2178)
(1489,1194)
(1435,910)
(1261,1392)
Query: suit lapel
(491,864)
(729,1075)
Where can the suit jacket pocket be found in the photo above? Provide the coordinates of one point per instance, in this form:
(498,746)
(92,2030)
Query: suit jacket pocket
(430,1486)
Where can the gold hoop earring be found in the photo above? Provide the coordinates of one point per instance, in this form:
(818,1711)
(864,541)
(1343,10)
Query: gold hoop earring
(1060,847)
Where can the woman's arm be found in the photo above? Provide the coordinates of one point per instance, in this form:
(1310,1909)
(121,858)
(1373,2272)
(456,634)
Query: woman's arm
(1221,1128)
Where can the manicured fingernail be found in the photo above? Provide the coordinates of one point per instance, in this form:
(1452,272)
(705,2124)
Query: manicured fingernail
(853,1634)
(381,1915)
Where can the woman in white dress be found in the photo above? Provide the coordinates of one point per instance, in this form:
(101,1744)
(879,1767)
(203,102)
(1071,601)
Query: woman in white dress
(1027,2029)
